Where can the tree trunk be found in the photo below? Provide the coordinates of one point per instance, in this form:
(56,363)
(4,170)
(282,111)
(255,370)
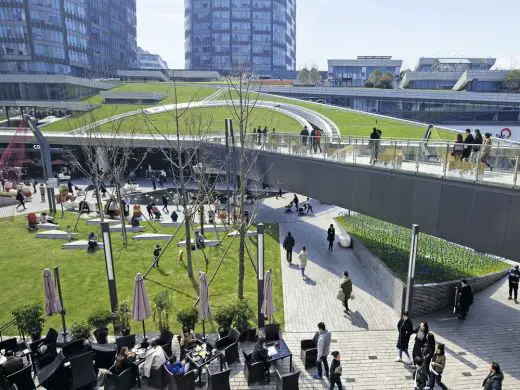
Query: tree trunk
(242,192)
(121,213)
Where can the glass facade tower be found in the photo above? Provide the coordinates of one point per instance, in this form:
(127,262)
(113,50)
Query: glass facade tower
(74,37)
(224,35)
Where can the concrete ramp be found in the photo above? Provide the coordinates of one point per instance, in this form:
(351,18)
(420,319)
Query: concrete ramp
(248,233)
(54,235)
(209,243)
(129,228)
(153,237)
(97,221)
(80,245)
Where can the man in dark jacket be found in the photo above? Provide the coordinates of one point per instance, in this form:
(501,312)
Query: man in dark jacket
(331,236)
(514,278)
(465,298)
(335,371)
(288,245)
(469,141)
(304,134)
(296,201)
(494,380)
(405,329)
(260,354)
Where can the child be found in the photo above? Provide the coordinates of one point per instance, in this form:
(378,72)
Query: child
(335,371)
(156,254)
(69,233)
(420,375)
(42,192)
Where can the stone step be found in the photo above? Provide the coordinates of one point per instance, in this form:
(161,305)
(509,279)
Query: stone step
(209,243)
(153,236)
(54,235)
(97,221)
(129,228)
(80,245)
(248,233)
(48,226)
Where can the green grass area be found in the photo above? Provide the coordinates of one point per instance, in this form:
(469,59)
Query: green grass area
(438,260)
(84,280)
(200,120)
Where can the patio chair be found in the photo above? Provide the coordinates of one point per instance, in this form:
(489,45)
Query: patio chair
(165,340)
(104,355)
(123,381)
(157,378)
(82,370)
(229,346)
(272,332)
(43,352)
(181,382)
(22,379)
(73,348)
(254,372)
(309,351)
(288,381)
(218,380)
(54,376)
(125,341)
(11,345)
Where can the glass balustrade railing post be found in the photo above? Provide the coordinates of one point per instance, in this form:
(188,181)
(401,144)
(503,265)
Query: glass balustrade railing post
(395,155)
(417,151)
(446,160)
(516,171)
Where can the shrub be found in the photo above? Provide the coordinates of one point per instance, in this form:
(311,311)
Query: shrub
(243,313)
(29,318)
(80,330)
(188,317)
(100,319)
(123,314)
(224,316)
(162,306)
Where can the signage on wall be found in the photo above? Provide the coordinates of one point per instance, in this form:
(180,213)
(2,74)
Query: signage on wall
(36,146)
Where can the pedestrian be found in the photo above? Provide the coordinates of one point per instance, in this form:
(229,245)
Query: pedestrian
(458,148)
(288,245)
(295,202)
(494,379)
(421,338)
(259,137)
(69,233)
(420,374)
(153,183)
(174,216)
(331,236)
(514,278)
(42,192)
(112,207)
(280,194)
(21,199)
(468,147)
(309,206)
(318,140)
(70,187)
(149,210)
(274,131)
(156,255)
(265,134)
(374,143)
(34,183)
(254,135)
(465,298)
(437,365)
(335,371)
(428,350)
(324,340)
(476,149)
(160,181)
(486,150)
(405,329)
(346,289)
(304,134)
(165,203)
(103,190)
(312,141)
(303,261)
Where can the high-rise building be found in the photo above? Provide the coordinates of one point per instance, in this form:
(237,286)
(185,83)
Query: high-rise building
(73,37)
(147,60)
(225,35)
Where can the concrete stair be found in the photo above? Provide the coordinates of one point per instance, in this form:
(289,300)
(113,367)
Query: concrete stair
(172,224)
(48,226)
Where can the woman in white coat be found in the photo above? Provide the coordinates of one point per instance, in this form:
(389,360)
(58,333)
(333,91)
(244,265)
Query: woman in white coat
(303,261)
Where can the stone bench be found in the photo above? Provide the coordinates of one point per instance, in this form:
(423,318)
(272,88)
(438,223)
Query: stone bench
(248,233)
(97,221)
(214,228)
(153,237)
(80,245)
(54,235)
(48,226)
(129,228)
(172,224)
(209,243)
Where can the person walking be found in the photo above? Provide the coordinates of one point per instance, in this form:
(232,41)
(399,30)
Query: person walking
(465,298)
(309,206)
(420,375)
(295,202)
(312,141)
(156,255)
(153,183)
(437,365)
(304,134)
(476,149)
(288,245)
(458,148)
(265,134)
(421,338)
(375,137)
(346,288)
(165,203)
(70,187)
(324,340)
(486,150)
(318,140)
(405,329)
(494,379)
(335,371)
(21,199)
(468,147)
(42,192)
(302,256)
(331,236)
(514,278)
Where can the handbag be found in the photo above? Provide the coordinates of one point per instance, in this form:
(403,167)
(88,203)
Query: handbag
(341,295)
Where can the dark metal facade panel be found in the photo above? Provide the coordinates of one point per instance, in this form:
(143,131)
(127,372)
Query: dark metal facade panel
(454,212)
(512,237)
(425,204)
(400,200)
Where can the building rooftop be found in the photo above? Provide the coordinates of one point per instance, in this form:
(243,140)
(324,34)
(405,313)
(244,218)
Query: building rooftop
(420,76)
(54,79)
(141,74)
(61,105)
(365,61)
(480,75)
(144,96)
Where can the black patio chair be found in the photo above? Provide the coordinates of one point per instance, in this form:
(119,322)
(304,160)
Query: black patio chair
(309,351)
(218,380)
(254,372)
(43,352)
(55,376)
(82,370)
(104,355)
(157,378)
(181,382)
(125,341)
(287,381)
(229,346)
(123,381)
(12,345)
(51,337)
(73,348)
(272,332)
(165,341)
(22,379)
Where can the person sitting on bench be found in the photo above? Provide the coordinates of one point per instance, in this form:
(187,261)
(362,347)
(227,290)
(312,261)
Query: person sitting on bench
(134,221)
(174,216)
(92,243)
(84,208)
(156,213)
(44,218)
(288,208)
(79,191)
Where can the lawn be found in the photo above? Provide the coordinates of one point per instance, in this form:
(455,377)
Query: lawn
(438,260)
(83,276)
(209,120)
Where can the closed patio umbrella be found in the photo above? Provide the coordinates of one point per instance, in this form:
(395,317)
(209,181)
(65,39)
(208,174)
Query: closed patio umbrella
(52,302)
(141,307)
(268,304)
(204,307)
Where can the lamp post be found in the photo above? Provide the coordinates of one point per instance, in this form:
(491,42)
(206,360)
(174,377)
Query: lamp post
(260,272)
(109,262)
(58,284)
(411,267)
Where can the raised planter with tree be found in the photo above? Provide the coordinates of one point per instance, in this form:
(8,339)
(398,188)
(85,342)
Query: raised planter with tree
(224,318)
(243,314)
(122,317)
(80,330)
(99,321)
(188,317)
(161,307)
(30,320)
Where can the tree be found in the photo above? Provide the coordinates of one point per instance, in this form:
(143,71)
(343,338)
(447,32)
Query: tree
(303,76)
(314,75)
(378,79)
(512,80)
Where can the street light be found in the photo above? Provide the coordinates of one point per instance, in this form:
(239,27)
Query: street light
(260,272)
(109,262)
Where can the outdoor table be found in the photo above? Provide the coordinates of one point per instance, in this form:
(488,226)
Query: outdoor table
(278,350)
(199,361)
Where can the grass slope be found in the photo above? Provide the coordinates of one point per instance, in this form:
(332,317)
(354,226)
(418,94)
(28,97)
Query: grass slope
(84,280)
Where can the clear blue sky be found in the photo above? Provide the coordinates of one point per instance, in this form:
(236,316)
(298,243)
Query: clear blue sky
(404,29)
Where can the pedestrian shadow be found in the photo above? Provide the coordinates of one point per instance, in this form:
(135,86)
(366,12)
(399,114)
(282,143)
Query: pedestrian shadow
(294,266)
(357,319)
(309,281)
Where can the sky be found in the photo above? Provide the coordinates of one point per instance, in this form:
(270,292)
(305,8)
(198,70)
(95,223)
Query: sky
(343,29)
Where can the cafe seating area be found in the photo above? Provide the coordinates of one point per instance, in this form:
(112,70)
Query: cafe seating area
(208,362)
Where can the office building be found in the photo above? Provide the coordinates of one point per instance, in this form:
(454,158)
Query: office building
(227,35)
(147,60)
(457,64)
(83,38)
(355,72)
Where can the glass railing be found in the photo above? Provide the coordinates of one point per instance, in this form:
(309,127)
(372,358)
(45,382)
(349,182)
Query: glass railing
(497,164)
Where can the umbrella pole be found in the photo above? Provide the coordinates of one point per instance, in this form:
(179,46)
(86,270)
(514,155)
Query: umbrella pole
(58,283)
(203,330)
(145,342)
